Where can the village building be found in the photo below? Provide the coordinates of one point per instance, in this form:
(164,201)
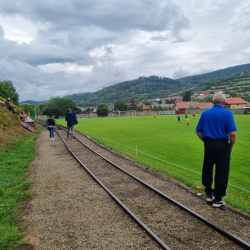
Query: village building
(181,107)
(144,107)
(204,105)
(201,96)
(177,98)
(111,107)
(235,103)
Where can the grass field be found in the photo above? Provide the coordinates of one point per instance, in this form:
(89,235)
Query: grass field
(169,147)
(14,160)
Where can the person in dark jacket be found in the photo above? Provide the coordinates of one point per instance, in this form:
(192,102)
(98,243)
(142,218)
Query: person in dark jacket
(51,125)
(71,121)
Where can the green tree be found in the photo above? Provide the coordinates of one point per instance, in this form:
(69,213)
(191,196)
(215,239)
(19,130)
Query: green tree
(160,102)
(87,111)
(146,102)
(39,108)
(187,95)
(155,108)
(27,107)
(207,99)
(121,105)
(139,108)
(102,109)
(8,90)
(59,106)
(233,93)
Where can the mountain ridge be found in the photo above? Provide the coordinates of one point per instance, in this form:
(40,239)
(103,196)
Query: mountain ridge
(150,87)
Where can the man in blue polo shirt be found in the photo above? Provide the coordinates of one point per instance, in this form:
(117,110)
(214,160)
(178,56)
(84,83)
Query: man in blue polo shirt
(215,128)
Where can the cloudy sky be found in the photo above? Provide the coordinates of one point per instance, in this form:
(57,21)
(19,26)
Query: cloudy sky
(54,48)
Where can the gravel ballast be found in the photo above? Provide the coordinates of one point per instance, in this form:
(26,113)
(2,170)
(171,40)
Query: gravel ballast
(176,228)
(70,211)
(226,219)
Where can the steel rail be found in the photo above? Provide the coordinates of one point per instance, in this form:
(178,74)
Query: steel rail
(211,224)
(216,227)
(151,233)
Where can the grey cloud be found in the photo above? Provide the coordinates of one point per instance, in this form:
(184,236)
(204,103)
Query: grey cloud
(113,39)
(1,32)
(180,73)
(42,53)
(202,71)
(109,15)
(67,31)
(34,83)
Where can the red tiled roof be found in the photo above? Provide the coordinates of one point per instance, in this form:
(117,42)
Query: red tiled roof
(190,102)
(236,100)
(207,104)
(144,107)
(182,105)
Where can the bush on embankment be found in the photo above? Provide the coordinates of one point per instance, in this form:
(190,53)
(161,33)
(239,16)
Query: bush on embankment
(17,147)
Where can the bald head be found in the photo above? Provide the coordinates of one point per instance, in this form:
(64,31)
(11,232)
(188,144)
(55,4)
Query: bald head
(219,99)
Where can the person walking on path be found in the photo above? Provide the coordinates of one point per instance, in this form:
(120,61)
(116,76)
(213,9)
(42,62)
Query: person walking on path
(215,127)
(51,125)
(71,121)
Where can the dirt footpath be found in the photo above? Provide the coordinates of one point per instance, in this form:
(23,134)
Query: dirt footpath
(70,211)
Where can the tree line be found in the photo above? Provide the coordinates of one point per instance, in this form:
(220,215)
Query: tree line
(7,90)
(196,79)
(143,88)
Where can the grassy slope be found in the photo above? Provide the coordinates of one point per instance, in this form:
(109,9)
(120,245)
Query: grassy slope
(164,138)
(16,152)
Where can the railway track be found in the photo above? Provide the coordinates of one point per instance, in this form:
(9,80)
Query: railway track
(169,223)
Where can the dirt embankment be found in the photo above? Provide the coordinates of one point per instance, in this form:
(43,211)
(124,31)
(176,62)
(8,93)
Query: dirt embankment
(10,128)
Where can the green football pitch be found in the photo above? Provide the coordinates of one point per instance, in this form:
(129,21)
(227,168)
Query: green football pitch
(167,146)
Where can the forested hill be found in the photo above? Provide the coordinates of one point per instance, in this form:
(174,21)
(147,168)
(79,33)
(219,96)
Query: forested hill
(151,87)
(142,88)
(79,97)
(218,73)
(33,102)
(158,87)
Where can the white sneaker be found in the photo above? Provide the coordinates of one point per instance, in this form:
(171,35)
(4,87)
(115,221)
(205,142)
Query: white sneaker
(50,139)
(53,139)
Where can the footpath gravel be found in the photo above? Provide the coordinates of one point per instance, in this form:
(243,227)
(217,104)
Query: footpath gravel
(226,219)
(70,211)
